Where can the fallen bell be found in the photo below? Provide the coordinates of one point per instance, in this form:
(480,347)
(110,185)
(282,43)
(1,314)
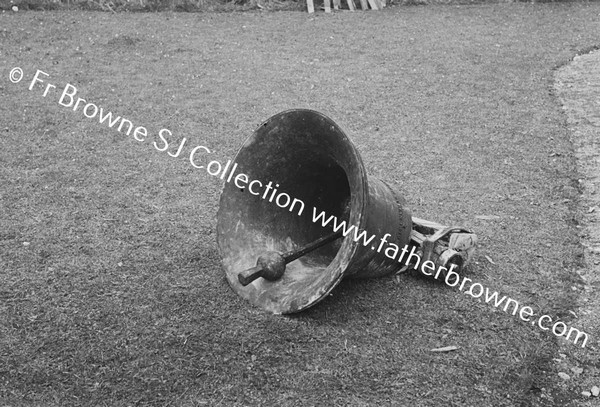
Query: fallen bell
(300,213)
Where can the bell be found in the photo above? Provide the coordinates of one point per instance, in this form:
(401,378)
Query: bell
(298,213)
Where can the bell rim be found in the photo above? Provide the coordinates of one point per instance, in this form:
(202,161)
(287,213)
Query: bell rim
(359,196)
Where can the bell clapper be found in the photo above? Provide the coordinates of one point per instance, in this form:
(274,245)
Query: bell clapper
(446,247)
(271,265)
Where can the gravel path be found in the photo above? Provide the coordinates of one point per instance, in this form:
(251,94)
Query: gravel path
(578,86)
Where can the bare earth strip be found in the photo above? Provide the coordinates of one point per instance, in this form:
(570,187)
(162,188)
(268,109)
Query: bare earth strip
(578,85)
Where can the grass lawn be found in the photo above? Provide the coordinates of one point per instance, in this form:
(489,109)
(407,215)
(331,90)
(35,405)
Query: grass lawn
(111,290)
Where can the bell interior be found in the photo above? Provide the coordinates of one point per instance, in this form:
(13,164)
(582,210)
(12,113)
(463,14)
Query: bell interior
(305,156)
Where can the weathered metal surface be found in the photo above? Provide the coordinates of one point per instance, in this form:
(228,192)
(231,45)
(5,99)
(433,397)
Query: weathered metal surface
(310,158)
(286,261)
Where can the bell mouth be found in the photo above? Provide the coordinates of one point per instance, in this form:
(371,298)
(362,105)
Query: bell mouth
(302,171)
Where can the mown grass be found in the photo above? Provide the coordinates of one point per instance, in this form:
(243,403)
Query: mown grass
(112,292)
(153,5)
(206,5)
